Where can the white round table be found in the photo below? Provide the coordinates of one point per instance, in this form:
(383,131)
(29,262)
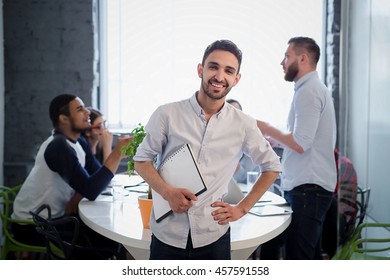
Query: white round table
(121,221)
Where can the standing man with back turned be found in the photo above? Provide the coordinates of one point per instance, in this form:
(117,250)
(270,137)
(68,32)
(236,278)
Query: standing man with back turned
(218,135)
(309,169)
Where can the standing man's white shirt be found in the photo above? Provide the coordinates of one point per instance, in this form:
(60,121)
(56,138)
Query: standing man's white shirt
(313,123)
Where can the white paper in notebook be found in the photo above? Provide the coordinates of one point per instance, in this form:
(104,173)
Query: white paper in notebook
(179,170)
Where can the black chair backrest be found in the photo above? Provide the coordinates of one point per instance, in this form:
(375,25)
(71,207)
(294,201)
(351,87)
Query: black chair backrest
(64,240)
(61,234)
(362,202)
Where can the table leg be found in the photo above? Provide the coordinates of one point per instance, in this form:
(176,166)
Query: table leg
(137,253)
(243,254)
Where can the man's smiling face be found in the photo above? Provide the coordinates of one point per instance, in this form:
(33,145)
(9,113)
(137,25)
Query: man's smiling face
(219,74)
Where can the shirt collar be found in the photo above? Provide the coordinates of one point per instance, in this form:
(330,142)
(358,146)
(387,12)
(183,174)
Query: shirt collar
(57,132)
(195,105)
(304,79)
(199,111)
(222,111)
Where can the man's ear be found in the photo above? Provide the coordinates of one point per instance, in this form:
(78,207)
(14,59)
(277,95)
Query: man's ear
(237,79)
(63,119)
(200,70)
(305,58)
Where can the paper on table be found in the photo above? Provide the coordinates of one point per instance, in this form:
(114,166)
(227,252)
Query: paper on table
(270,210)
(179,170)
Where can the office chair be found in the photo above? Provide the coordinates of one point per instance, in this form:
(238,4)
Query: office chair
(10,244)
(63,235)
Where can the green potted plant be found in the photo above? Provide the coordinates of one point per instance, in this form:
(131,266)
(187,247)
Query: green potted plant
(138,134)
(145,202)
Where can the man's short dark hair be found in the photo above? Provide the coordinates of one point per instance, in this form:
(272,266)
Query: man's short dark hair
(224,45)
(307,44)
(60,106)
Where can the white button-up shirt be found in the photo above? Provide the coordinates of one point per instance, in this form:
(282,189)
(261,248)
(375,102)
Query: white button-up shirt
(312,120)
(218,146)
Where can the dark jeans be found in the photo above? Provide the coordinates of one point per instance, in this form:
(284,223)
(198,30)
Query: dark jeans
(310,204)
(329,230)
(219,250)
(336,229)
(274,248)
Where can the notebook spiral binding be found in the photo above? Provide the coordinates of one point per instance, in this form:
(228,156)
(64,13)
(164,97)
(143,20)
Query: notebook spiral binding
(179,150)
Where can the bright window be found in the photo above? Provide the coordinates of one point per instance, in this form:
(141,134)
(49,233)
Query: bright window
(150,51)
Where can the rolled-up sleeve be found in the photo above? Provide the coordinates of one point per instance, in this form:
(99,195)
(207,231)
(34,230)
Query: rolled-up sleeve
(260,150)
(155,137)
(308,107)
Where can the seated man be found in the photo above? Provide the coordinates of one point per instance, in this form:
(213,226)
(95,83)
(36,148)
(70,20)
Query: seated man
(100,140)
(63,166)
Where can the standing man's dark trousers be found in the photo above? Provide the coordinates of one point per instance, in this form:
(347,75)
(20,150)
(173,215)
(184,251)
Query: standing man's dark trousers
(310,204)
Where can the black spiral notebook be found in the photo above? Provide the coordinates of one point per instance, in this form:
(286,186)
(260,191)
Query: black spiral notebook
(179,170)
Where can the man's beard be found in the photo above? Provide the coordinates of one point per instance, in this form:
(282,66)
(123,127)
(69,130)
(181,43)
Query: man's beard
(291,72)
(215,95)
(76,129)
